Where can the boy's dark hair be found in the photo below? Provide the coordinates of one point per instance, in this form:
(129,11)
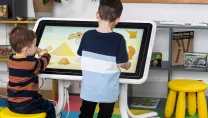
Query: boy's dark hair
(110,10)
(21,37)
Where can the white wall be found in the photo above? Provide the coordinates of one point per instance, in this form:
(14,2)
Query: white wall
(158,12)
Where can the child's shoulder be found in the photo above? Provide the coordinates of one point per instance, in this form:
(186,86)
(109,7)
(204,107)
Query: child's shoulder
(90,32)
(118,34)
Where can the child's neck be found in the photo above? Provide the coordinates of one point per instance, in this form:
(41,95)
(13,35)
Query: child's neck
(105,27)
(21,54)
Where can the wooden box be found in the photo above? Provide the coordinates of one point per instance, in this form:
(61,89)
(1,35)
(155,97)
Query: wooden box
(182,43)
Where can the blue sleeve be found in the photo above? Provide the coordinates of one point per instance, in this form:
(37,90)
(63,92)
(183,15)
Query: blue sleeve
(122,55)
(79,52)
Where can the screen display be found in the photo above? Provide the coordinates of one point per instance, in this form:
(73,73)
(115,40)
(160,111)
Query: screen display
(62,37)
(63,42)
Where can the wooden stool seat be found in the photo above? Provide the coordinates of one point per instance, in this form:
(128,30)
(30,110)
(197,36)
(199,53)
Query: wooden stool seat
(183,86)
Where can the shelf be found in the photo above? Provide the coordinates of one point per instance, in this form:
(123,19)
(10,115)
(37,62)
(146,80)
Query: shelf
(182,68)
(3,59)
(163,67)
(180,26)
(17,22)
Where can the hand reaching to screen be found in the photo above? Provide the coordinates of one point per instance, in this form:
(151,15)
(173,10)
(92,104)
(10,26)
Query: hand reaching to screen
(125,66)
(40,52)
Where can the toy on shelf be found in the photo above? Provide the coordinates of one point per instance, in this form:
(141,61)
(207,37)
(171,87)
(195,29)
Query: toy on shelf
(156,59)
(195,60)
(5,51)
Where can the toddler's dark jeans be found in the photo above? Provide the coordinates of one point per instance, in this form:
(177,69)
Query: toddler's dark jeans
(36,105)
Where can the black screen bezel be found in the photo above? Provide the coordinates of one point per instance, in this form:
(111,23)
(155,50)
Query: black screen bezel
(143,49)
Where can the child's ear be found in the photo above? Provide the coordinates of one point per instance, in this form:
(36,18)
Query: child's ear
(117,20)
(25,49)
(97,15)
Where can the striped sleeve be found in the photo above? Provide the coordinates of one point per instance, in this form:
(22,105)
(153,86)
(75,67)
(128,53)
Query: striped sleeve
(42,63)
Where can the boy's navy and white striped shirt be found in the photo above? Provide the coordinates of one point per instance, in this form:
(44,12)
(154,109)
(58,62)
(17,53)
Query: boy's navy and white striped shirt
(101,52)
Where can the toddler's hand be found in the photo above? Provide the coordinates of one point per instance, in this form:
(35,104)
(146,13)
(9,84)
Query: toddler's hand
(39,50)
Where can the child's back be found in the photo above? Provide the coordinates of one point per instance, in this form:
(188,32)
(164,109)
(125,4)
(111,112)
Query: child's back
(100,54)
(102,51)
(23,76)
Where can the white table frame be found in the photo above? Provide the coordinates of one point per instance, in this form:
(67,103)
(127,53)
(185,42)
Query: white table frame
(65,81)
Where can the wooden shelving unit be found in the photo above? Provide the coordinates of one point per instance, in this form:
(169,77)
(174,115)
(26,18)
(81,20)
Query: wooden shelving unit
(167,65)
(46,93)
(16,22)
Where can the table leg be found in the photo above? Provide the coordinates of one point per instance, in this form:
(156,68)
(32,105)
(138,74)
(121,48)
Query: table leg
(61,98)
(124,110)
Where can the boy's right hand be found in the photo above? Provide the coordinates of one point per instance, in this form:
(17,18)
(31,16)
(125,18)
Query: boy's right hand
(125,66)
(40,52)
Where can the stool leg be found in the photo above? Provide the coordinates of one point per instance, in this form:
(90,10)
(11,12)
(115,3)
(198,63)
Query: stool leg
(181,104)
(202,105)
(192,104)
(170,104)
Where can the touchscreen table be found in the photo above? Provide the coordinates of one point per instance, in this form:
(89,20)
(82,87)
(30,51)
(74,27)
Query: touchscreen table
(61,38)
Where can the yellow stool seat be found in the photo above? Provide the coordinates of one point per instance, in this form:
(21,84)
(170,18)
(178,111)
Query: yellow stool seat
(6,113)
(195,91)
(184,85)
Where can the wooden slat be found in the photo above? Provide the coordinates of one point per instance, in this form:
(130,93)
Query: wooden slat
(3,59)
(17,22)
(168,1)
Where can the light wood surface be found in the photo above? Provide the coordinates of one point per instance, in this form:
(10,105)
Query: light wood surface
(16,22)
(3,59)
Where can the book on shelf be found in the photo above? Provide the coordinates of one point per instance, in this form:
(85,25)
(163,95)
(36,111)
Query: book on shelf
(143,102)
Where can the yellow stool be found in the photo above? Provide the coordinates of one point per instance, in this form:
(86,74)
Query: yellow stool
(191,87)
(6,113)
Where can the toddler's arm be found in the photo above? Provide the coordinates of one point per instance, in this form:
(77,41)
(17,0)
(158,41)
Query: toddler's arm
(43,61)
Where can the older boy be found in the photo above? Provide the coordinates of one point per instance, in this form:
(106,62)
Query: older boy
(102,51)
